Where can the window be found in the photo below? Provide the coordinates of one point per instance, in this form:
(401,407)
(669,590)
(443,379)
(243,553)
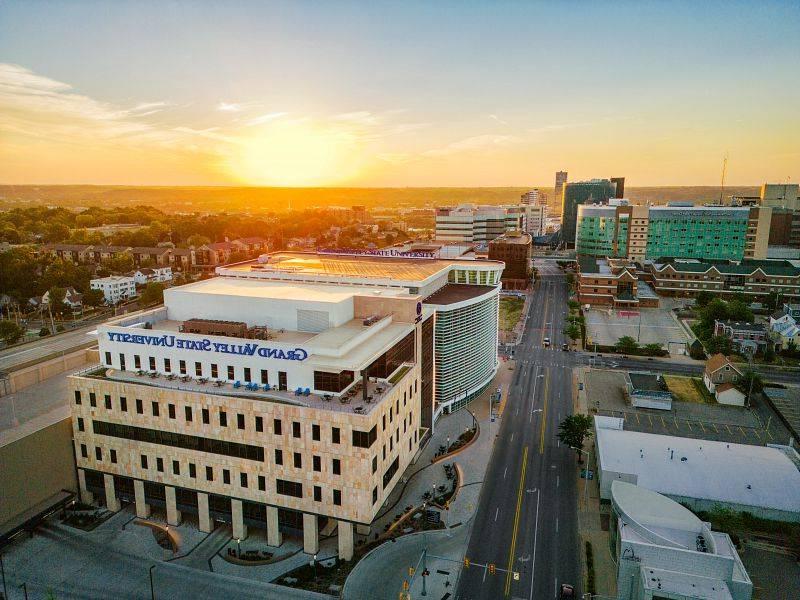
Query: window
(98,453)
(247,375)
(198,369)
(337,466)
(264,376)
(278,456)
(390,472)
(335,435)
(375,494)
(77,396)
(92,399)
(192,470)
(176,467)
(209,473)
(262,483)
(139,407)
(317,463)
(391,415)
(154,406)
(167,365)
(144,461)
(337,497)
(121,361)
(332,382)
(182,367)
(80,423)
(113,456)
(230,373)
(108,359)
(374,463)
(206,417)
(298,460)
(171,410)
(214,370)
(152,363)
(315,433)
(137,361)
(187,413)
(289,488)
(159,464)
(223,418)
(243,480)
(123,404)
(384,423)
(276,425)
(226,476)
(240,421)
(295,429)
(107,401)
(364,439)
(317,494)
(259,424)
(84,451)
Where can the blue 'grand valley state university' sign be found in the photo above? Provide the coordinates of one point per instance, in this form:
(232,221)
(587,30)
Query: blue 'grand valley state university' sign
(206,345)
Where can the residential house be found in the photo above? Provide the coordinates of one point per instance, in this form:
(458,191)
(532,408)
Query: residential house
(784,331)
(101,254)
(158,255)
(217,253)
(747,338)
(182,259)
(115,287)
(76,253)
(251,245)
(72,298)
(147,275)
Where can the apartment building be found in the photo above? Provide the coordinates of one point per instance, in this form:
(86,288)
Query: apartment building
(115,288)
(478,224)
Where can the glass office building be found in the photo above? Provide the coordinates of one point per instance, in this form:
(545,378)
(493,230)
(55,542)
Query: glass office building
(602,231)
(710,232)
(596,191)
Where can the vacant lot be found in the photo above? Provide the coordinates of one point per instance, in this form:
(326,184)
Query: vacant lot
(510,311)
(647,325)
(688,389)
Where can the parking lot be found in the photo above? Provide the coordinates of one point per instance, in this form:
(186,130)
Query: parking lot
(648,325)
(605,391)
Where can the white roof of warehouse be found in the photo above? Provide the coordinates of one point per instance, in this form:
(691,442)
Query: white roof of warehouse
(712,470)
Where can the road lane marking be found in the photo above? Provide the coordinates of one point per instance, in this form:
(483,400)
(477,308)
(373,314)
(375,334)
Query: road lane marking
(743,433)
(504,472)
(689,425)
(512,437)
(558,480)
(556,524)
(535,537)
(516,521)
(701,426)
(728,428)
(496,512)
(544,411)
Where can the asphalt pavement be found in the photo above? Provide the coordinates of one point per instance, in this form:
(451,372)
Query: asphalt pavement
(526,524)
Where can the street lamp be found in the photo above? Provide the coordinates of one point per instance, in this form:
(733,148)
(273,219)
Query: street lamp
(586,484)
(152,589)
(314,566)
(238,547)
(448,443)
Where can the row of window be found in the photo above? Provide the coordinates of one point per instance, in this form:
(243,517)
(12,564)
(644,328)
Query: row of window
(283,486)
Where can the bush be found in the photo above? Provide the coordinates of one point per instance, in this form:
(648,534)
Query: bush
(590,585)
(44,331)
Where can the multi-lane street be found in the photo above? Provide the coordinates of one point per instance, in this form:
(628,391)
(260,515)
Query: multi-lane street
(526,519)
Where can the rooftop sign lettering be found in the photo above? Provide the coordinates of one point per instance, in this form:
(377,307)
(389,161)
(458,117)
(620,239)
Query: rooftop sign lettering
(206,345)
(390,253)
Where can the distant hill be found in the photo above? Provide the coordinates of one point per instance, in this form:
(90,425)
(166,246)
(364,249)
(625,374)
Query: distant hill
(260,199)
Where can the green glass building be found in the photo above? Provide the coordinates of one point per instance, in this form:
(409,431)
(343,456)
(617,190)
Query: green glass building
(601,231)
(710,232)
(595,191)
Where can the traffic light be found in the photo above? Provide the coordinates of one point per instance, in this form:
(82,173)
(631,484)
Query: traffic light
(492,569)
(466,563)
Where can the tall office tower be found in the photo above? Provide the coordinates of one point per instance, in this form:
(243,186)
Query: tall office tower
(619,183)
(595,191)
(534,197)
(478,224)
(561,180)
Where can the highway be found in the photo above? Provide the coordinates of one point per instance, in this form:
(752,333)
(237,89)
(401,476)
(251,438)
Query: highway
(526,518)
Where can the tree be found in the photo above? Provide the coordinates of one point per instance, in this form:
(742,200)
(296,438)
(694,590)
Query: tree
(573,430)
(197,240)
(771,301)
(573,305)
(152,294)
(769,355)
(750,380)
(703,298)
(653,349)
(56,300)
(572,331)
(93,297)
(627,345)
(10,332)
(739,311)
(719,344)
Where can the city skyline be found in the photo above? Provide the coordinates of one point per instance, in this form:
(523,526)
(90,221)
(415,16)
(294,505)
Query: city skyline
(302,94)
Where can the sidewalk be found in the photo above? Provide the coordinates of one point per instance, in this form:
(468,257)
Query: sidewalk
(390,561)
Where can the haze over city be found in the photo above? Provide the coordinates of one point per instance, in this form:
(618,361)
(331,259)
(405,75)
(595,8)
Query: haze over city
(397,94)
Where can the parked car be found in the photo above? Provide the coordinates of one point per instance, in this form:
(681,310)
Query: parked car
(565,347)
(546,342)
(567,592)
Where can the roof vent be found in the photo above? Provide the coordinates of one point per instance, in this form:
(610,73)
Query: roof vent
(684,459)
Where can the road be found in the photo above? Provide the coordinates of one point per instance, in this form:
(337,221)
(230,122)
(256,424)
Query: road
(527,515)
(15,356)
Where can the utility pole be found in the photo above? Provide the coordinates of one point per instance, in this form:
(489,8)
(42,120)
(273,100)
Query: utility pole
(722,182)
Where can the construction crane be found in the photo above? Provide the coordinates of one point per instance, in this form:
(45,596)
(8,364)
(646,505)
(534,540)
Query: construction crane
(722,182)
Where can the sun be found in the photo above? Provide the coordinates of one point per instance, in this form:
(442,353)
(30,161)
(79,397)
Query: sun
(295,154)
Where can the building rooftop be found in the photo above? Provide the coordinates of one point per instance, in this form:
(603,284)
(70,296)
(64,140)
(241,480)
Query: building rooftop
(743,325)
(347,265)
(513,237)
(786,402)
(703,469)
(457,292)
(647,381)
(745,267)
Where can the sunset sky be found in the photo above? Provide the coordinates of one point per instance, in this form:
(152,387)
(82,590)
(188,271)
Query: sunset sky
(398,93)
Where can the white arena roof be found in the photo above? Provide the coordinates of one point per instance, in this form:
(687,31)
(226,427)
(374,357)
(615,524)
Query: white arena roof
(758,476)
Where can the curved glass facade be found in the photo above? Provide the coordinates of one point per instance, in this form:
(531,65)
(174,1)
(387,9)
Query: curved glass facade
(466,350)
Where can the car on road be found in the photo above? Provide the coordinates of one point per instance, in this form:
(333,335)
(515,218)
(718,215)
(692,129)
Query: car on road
(546,342)
(567,592)
(565,347)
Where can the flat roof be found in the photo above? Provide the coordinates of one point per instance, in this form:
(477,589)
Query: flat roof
(786,401)
(280,290)
(346,265)
(457,292)
(732,473)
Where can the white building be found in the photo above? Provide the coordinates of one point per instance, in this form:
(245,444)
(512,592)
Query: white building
(115,287)
(479,224)
(762,480)
(534,196)
(662,550)
(151,275)
(534,219)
